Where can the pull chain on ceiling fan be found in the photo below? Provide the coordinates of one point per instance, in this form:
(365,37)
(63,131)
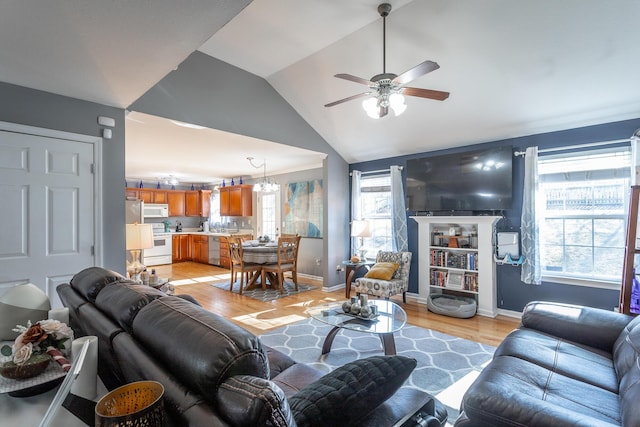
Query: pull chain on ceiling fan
(387,89)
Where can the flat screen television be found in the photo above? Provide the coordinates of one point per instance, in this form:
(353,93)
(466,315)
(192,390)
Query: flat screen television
(476,181)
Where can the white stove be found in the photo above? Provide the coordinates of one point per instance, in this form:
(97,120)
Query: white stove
(162,248)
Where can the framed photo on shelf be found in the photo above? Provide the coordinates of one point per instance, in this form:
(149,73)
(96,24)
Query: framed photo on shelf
(454,280)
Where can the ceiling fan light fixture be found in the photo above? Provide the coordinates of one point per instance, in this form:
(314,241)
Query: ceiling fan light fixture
(396,102)
(370,105)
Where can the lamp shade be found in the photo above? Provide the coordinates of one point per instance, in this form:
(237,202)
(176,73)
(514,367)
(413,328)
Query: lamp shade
(360,228)
(139,236)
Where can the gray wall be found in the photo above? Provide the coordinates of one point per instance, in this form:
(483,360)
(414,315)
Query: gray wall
(310,256)
(41,109)
(209,92)
(512,293)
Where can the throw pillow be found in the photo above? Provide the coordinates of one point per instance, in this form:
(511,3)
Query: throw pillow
(382,270)
(349,393)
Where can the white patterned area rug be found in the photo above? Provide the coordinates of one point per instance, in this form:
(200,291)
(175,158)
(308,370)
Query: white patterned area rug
(268,294)
(442,359)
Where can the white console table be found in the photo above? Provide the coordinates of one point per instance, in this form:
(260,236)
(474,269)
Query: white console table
(484,263)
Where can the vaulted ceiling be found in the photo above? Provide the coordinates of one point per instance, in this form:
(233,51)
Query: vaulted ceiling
(513,68)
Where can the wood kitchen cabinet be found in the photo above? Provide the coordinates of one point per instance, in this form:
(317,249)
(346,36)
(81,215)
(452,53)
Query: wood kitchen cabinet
(236,200)
(181,248)
(147,195)
(225,262)
(200,252)
(176,199)
(198,203)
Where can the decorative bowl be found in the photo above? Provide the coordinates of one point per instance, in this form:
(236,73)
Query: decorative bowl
(31,368)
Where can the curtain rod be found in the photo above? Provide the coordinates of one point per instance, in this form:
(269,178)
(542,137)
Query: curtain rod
(571,147)
(376,171)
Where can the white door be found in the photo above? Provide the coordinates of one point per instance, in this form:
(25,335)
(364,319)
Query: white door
(268,214)
(47,215)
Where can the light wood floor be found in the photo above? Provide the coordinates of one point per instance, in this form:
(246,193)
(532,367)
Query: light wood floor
(259,317)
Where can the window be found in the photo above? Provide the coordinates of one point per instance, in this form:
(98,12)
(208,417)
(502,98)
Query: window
(375,199)
(582,207)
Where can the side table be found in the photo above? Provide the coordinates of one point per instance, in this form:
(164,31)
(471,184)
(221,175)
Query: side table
(350,270)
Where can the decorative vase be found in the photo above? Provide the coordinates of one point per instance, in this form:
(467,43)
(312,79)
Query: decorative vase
(346,306)
(31,368)
(365,311)
(355,308)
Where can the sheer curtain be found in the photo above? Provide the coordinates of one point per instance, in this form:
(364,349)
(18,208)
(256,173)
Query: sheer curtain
(530,272)
(356,212)
(399,214)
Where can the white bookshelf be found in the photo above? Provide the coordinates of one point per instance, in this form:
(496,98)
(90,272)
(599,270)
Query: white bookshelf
(468,268)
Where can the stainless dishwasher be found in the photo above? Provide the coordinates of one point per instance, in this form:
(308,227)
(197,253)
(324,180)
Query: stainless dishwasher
(214,250)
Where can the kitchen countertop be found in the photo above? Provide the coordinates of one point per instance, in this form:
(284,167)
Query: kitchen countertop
(202,233)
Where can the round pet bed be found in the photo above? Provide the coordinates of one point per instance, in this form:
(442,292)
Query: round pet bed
(450,305)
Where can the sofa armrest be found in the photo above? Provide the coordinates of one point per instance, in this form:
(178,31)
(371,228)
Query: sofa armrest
(585,325)
(246,400)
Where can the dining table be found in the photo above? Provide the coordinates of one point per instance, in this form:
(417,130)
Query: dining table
(261,253)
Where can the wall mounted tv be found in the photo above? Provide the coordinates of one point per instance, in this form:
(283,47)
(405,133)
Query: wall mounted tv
(476,181)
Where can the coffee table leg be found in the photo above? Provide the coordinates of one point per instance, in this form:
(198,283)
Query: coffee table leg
(388,344)
(328,341)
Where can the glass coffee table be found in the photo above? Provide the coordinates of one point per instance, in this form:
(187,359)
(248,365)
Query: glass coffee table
(391,318)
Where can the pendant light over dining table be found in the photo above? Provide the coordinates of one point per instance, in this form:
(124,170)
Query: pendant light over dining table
(265,185)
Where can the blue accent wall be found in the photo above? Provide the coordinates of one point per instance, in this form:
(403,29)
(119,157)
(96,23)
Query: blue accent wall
(512,293)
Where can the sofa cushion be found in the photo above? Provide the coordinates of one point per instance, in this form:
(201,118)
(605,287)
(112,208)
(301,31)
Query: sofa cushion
(351,391)
(201,348)
(90,281)
(382,270)
(122,301)
(245,400)
(511,391)
(577,361)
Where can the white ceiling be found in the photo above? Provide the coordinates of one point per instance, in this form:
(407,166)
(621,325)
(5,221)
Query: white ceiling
(513,67)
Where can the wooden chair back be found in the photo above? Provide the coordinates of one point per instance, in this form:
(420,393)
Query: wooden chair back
(235,249)
(288,250)
(243,237)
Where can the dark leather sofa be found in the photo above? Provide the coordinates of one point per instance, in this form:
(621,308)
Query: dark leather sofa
(217,374)
(566,365)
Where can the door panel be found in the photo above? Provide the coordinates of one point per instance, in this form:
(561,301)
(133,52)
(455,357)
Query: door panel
(47,221)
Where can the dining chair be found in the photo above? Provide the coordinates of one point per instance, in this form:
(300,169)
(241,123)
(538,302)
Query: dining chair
(239,266)
(287,261)
(243,238)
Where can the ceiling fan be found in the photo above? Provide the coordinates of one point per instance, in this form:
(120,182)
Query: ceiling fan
(387,88)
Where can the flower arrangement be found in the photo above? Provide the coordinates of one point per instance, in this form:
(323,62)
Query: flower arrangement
(36,345)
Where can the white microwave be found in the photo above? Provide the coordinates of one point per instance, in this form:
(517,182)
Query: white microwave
(152,210)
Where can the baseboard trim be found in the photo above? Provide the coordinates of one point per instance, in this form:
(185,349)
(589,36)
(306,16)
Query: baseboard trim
(510,313)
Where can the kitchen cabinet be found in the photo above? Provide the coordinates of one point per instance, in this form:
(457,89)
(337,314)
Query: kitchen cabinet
(147,195)
(225,262)
(181,248)
(160,196)
(236,200)
(175,199)
(198,203)
(200,252)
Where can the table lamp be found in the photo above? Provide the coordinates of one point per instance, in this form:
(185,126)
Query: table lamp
(360,228)
(139,236)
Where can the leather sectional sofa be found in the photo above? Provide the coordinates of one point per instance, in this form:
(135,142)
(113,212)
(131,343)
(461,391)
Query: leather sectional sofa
(217,374)
(566,365)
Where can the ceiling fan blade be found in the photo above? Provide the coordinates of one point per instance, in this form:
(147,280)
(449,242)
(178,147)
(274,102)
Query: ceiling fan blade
(354,79)
(415,72)
(340,101)
(425,93)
